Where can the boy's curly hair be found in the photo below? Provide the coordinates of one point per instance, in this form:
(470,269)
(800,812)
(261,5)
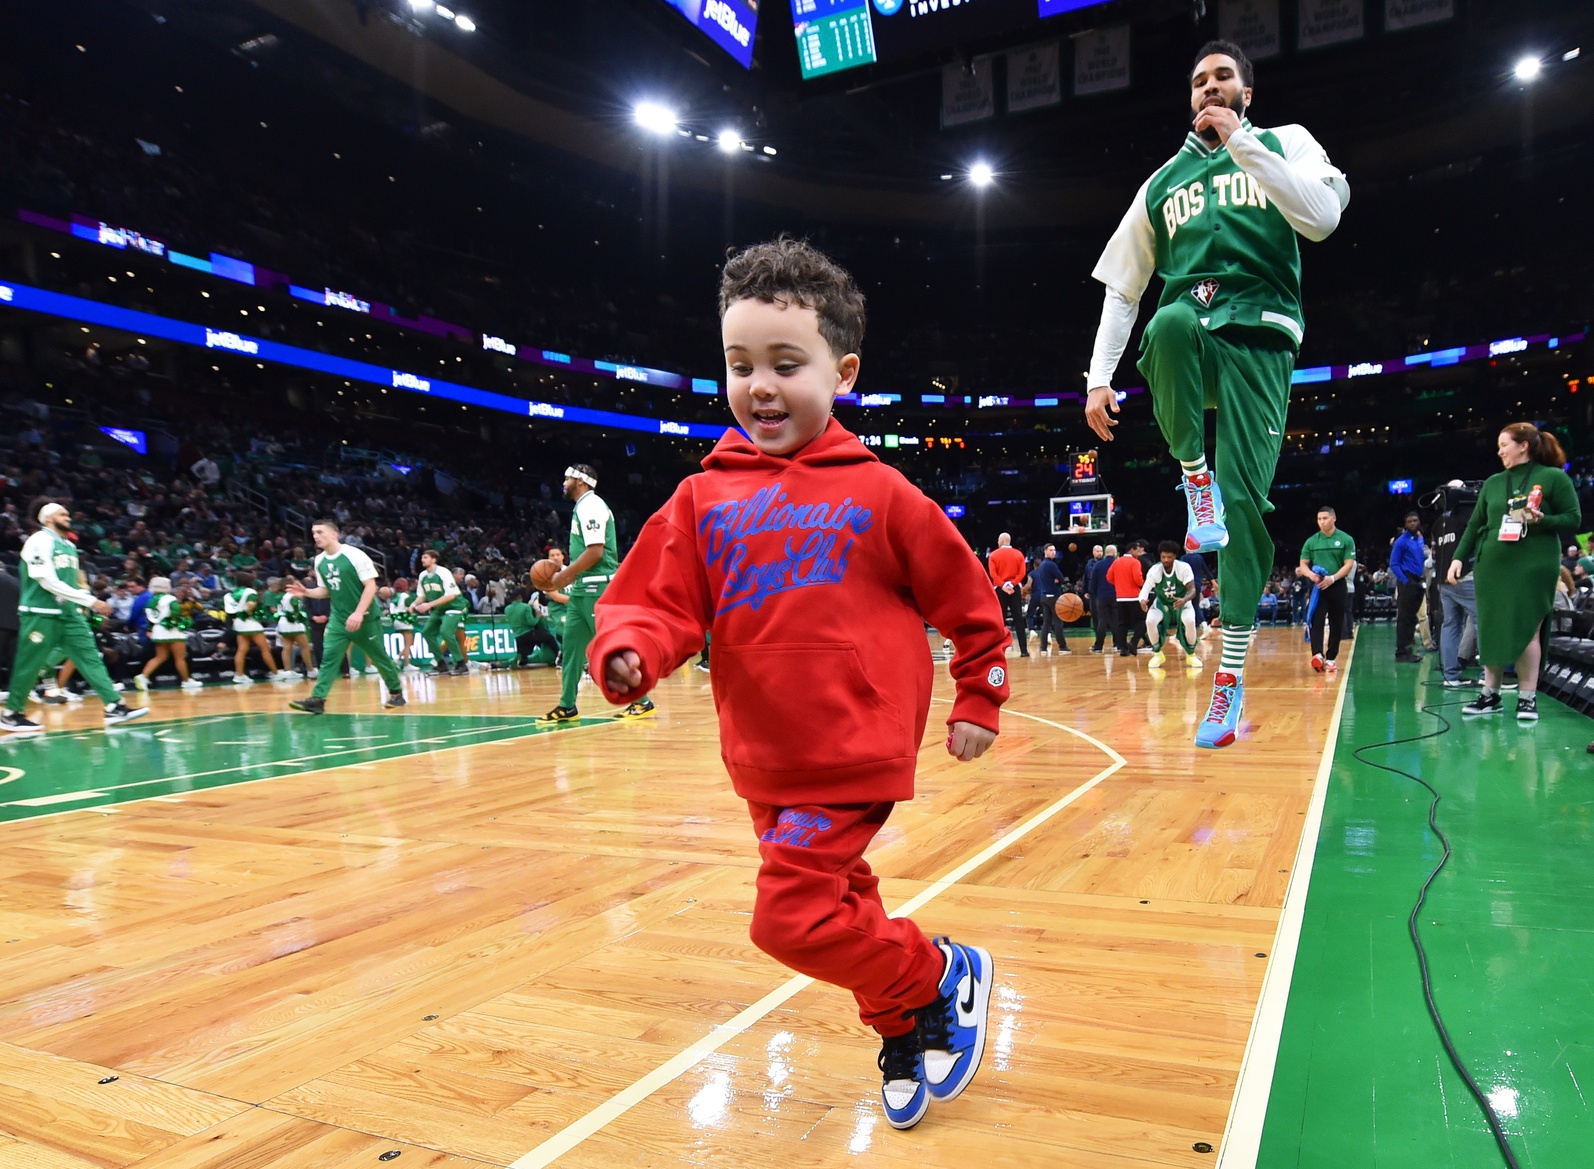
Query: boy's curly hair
(795,272)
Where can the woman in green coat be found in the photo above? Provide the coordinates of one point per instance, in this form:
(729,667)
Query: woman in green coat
(1517,541)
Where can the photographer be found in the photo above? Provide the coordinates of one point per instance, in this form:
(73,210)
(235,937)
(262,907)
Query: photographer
(1515,533)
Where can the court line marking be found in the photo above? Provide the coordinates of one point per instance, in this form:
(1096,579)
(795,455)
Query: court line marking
(1242,1136)
(285,775)
(622,1102)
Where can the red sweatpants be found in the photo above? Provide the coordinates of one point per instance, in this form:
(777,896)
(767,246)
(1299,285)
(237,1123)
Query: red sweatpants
(819,911)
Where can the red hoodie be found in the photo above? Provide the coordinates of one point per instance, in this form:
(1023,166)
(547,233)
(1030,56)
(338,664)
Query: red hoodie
(816,573)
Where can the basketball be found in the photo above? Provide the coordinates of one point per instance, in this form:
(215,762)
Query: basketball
(1070,607)
(542,574)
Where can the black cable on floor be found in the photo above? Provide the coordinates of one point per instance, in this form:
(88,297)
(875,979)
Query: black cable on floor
(1416,936)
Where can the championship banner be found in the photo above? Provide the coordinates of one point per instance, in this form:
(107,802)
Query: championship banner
(1253,25)
(1329,22)
(1101,60)
(1401,14)
(968,95)
(1034,78)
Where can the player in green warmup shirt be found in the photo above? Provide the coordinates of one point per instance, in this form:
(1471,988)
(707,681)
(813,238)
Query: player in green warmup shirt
(51,622)
(444,607)
(1168,598)
(1327,558)
(534,641)
(594,557)
(346,577)
(1219,224)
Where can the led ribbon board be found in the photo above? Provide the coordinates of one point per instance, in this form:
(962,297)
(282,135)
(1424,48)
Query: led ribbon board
(73,308)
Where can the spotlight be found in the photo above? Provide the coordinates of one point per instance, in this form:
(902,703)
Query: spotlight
(981,174)
(769,150)
(445,13)
(464,24)
(1528,68)
(730,141)
(422,5)
(654,118)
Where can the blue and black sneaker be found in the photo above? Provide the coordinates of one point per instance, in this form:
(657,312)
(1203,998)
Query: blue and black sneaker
(952,1028)
(902,1088)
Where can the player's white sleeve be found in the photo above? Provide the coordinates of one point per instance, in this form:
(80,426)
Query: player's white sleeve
(1118,315)
(1126,266)
(1153,579)
(450,585)
(593,516)
(38,552)
(1310,191)
(364,569)
(1129,260)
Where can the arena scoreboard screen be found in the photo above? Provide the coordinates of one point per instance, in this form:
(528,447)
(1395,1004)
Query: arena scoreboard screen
(833,35)
(730,24)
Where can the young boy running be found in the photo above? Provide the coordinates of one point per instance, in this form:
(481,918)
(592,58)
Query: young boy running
(1219,224)
(1168,597)
(816,568)
(346,577)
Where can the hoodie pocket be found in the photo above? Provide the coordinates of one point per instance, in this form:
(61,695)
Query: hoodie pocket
(804,707)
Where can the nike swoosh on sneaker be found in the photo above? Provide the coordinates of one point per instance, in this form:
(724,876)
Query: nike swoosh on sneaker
(965,1003)
(1273,432)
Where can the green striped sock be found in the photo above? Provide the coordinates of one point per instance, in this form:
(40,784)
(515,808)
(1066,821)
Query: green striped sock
(1236,644)
(1196,468)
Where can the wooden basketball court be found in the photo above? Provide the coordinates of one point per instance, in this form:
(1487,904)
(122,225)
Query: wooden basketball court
(234,937)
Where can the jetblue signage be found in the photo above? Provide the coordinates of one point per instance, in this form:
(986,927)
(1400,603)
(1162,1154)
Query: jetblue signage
(730,24)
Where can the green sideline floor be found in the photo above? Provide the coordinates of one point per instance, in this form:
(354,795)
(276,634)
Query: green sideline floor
(1361,1078)
(68,770)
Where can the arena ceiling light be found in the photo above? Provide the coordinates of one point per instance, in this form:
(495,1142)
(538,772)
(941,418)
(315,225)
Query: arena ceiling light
(423,5)
(464,23)
(654,118)
(1528,69)
(981,174)
(729,141)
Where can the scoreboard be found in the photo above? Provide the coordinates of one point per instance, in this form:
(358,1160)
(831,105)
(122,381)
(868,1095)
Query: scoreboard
(833,35)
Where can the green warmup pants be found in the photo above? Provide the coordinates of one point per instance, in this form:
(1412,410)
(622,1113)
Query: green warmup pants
(1244,374)
(439,633)
(368,639)
(43,639)
(1158,619)
(580,628)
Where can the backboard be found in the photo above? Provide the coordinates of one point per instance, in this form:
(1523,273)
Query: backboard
(1080,514)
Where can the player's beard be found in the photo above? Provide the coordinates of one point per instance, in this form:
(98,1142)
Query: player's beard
(1210,135)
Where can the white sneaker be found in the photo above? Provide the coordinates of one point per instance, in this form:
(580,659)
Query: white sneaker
(284,676)
(192,684)
(140,682)
(411,668)
(119,687)
(314,673)
(242,680)
(371,671)
(55,692)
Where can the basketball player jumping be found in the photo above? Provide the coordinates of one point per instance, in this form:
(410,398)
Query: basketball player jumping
(1218,223)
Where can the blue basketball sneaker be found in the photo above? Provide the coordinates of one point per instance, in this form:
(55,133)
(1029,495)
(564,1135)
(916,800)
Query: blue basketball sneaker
(1203,506)
(1223,716)
(953,1026)
(902,1087)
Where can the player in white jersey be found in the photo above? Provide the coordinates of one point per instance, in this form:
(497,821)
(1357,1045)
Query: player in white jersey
(1168,598)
